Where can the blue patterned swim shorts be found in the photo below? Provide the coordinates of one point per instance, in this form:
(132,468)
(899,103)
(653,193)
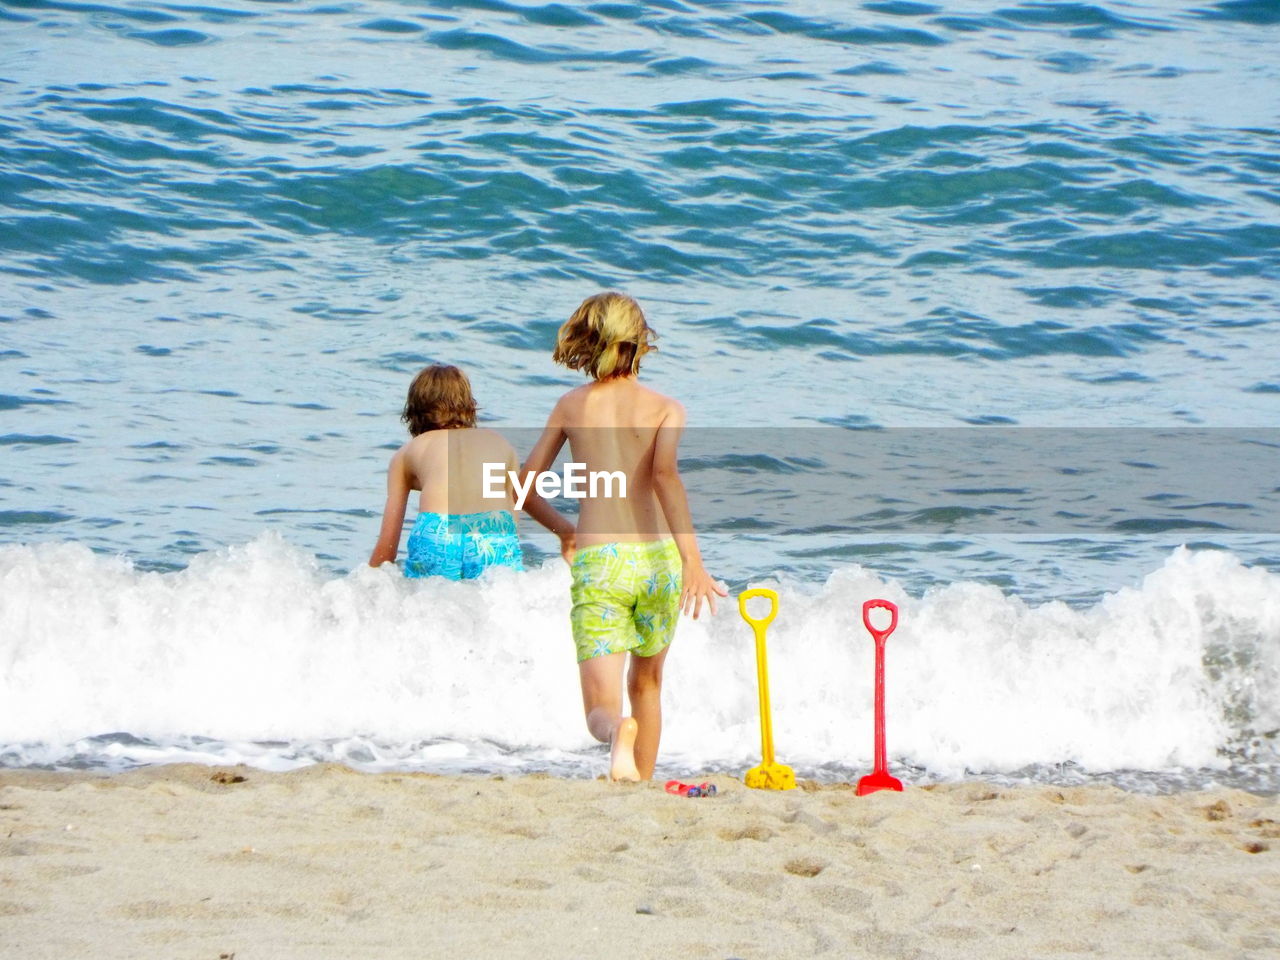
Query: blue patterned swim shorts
(461,546)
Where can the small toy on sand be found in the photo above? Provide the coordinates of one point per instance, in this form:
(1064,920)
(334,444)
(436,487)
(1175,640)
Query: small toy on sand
(689,790)
(769,775)
(879,778)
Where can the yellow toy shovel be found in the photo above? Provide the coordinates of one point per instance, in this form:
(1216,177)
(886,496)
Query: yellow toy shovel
(769,775)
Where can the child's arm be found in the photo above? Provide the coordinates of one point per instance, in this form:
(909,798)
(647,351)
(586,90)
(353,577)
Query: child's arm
(697,584)
(541,457)
(398,485)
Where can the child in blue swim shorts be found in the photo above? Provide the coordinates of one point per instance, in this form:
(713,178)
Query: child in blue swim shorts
(460,531)
(461,546)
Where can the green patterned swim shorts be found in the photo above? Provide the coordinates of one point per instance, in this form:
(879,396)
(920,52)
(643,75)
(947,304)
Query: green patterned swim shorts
(626,598)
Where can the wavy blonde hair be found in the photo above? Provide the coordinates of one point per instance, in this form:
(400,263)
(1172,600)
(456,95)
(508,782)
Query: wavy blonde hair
(606,336)
(439,399)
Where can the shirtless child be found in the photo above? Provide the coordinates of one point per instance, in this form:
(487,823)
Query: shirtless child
(458,533)
(637,562)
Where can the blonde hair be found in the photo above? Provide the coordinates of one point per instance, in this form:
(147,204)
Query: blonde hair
(606,336)
(439,399)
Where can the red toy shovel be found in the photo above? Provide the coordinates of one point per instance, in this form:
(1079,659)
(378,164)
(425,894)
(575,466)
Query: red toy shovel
(879,778)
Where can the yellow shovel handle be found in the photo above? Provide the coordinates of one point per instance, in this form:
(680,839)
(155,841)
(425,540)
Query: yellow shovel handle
(770,595)
(762,662)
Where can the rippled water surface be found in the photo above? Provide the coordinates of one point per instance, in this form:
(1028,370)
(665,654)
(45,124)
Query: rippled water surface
(231,232)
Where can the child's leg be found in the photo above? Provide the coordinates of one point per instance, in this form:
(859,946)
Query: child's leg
(644,691)
(602,703)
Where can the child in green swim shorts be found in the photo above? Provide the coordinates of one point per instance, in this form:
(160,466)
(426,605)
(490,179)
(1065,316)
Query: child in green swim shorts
(636,563)
(614,583)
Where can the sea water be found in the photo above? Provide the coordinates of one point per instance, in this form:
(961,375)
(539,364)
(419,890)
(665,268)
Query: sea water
(972,308)
(256,654)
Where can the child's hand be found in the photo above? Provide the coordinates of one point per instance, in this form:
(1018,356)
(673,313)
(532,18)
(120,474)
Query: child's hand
(698,586)
(569,545)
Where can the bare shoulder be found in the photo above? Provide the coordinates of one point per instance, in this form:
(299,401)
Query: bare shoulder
(403,451)
(669,409)
(421,449)
(653,408)
(570,403)
(399,467)
(491,438)
(415,446)
(574,397)
(650,395)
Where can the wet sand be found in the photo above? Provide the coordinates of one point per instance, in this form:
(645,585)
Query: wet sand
(188,861)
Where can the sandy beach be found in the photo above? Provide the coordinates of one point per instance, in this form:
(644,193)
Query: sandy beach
(190,861)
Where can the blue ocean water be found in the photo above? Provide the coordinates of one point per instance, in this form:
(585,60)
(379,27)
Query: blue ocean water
(231,232)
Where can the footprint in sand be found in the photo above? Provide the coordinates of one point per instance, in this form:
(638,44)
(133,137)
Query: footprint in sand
(804,867)
(54,871)
(842,898)
(751,881)
(529,883)
(1218,811)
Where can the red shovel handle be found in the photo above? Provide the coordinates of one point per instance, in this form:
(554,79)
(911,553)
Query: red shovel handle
(880,636)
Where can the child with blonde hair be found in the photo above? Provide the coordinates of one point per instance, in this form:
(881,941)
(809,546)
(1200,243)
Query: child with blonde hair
(634,558)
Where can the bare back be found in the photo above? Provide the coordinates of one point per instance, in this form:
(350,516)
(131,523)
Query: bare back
(448,466)
(613,425)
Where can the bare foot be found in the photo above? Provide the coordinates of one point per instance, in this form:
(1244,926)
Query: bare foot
(622,753)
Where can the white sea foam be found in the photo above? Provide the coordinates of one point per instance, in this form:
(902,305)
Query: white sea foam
(253,654)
